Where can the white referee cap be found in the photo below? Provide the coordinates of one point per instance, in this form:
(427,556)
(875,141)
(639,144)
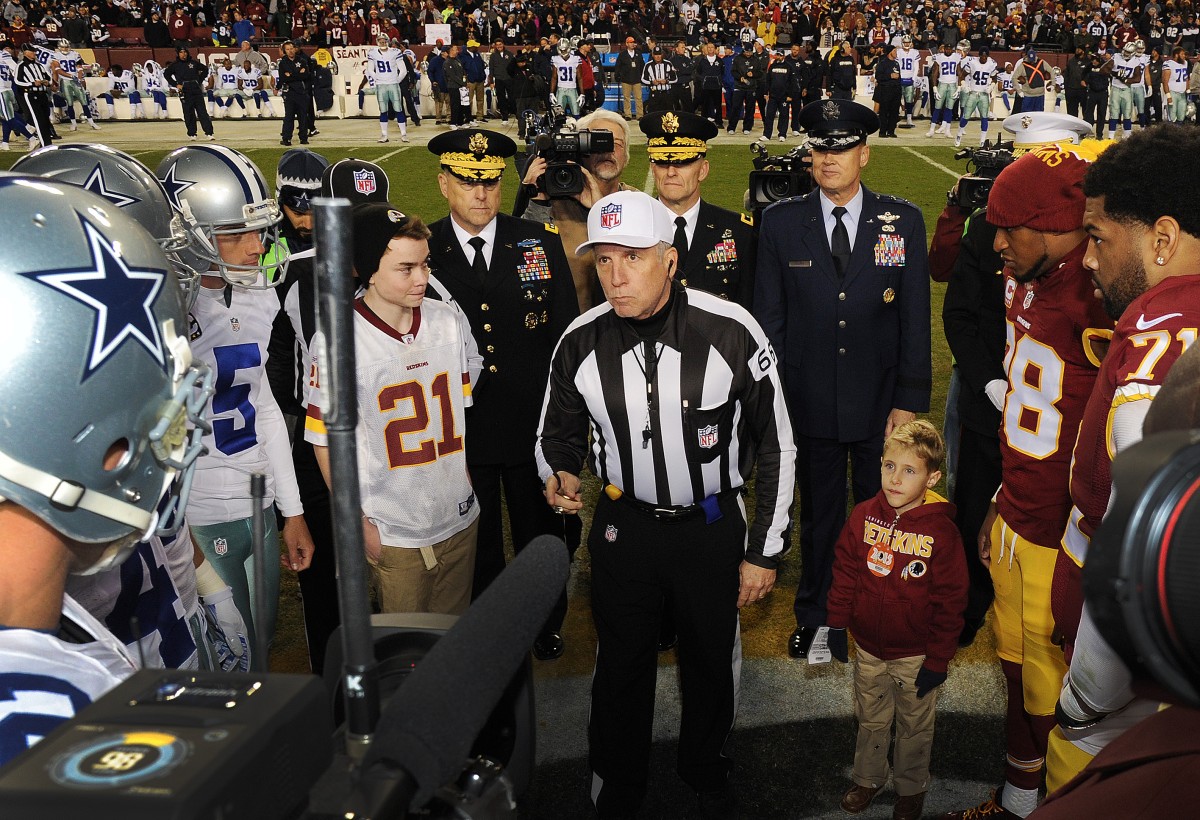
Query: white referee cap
(629,218)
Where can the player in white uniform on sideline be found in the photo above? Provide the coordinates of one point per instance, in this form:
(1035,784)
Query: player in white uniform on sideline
(978,74)
(1140,78)
(1174,81)
(909,59)
(1125,67)
(122,83)
(226,84)
(231,212)
(387,68)
(250,85)
(942,95)
(66,69)
(1004,82)
(10,112)
(566,78)
(155,85)
(77,410)
(419,522)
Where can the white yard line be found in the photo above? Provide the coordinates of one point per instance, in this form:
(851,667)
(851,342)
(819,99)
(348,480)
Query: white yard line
(378,160)
(649,186)
(934,163)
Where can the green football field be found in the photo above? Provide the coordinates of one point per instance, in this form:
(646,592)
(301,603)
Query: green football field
(921,173)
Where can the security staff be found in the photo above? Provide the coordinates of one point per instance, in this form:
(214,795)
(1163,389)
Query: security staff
(716,247)
(842,293)
(842,72)
(188,75)
(685,70)
(33,84)
(294,77)
(512,280)
(669,527)
(887,91)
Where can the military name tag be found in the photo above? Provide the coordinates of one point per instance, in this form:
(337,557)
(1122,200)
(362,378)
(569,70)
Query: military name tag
(800,263)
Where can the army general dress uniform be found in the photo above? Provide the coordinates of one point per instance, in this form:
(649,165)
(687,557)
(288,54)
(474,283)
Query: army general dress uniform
(852,347)
(517,310)
(720,256)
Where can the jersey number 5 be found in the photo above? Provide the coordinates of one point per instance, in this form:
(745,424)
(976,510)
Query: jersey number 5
(230,438)
(394,431)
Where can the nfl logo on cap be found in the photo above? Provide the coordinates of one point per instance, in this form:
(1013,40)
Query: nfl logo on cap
(364,182)
(610,216)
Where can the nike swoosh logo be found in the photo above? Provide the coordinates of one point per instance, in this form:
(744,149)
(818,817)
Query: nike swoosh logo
(1142,324)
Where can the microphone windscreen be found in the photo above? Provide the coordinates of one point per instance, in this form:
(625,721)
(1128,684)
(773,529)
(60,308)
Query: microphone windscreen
(430,724)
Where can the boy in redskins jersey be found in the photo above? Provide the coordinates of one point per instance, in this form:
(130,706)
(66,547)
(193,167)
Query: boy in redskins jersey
(1052,319)
(1143,257)
(420,515)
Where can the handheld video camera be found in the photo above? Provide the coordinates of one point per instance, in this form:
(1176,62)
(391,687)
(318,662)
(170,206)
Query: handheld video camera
(564,148)
(780,176)
(983,166)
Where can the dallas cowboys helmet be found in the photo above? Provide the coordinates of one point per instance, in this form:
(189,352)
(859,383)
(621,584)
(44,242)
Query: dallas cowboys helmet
(97,366)
(126,183)
(963,46)
(220,192)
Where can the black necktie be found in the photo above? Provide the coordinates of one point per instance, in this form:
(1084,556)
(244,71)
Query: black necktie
(479,264)
(841,243)
(680,243)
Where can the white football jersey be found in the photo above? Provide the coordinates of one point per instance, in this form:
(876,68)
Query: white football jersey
(1142,61)
(413,391)
(8,71)
(227,79)
(947,66)
(123,82)
(566,68)
(1004,78)
(386,65)
(1177,80)
(910,64)
(979,73)
(68,63)
(1123,71)
(46,680)
(248,431)
(251,80)
(153,81)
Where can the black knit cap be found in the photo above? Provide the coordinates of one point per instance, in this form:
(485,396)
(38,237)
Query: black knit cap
(374,225)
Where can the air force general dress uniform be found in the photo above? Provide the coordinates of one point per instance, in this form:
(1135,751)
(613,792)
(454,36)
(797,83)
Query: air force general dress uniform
(518,305)
(852,336)
(717,247)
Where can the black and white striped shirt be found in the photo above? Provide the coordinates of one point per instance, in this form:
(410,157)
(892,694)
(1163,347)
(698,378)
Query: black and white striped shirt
(29,72)
(660,76)
(715,407)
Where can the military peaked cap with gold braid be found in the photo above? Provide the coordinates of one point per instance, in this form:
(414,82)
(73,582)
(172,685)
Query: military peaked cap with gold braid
(473,154)
(676,136)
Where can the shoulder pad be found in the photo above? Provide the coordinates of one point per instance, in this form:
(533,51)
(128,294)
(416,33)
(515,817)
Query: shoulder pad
(550,227)
(898,200)
(748,219)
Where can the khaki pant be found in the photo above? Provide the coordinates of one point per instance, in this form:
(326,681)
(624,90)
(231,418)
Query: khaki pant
(430,579)
(885,691)
(478,100)
(631,96)
(441,105)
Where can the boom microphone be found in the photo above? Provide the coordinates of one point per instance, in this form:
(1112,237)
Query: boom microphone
(426,731)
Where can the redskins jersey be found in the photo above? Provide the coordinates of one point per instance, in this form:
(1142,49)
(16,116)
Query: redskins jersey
(46,679)
(413,391)
(1051,324)
(1152,333)
(248,432)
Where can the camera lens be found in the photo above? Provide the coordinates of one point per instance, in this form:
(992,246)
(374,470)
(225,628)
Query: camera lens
(779,187)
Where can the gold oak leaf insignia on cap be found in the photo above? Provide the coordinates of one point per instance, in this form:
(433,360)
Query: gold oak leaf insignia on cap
(478,144)
(670,123)
(831,110)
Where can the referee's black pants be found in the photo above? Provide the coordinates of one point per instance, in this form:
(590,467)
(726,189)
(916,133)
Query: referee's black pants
(38,103)
(318,583)
(821,466)
(195,108)
(638,563)
(528,517)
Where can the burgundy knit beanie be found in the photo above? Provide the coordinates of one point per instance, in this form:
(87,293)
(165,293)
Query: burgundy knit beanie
(1043,190)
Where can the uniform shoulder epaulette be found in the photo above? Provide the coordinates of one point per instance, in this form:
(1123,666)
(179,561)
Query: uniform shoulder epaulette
(551,227)
(748,219)
(899,200)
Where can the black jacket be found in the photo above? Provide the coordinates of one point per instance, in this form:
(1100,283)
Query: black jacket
(191,74)
(628,68)
(295,73)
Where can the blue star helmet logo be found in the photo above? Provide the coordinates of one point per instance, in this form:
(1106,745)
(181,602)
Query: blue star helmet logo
(96,184)
(175,186)
(122,297)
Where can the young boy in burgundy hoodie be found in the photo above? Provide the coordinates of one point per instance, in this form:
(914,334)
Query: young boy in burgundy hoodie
(900,585)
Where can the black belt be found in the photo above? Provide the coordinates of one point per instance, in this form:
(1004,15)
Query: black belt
(669,514)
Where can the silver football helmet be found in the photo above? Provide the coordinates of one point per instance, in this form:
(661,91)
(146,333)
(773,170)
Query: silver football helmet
(220,192)
(129,185)
(97,368)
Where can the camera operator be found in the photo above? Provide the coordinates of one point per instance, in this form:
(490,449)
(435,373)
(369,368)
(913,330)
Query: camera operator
(602,176)
(1142,256)
(529,88)
(716,247)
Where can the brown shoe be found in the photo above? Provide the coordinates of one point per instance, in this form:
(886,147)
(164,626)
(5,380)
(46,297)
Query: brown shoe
(859,798)
(908,807)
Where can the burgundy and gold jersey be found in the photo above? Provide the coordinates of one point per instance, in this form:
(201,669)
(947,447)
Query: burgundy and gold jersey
(1053,324)
(1151,334)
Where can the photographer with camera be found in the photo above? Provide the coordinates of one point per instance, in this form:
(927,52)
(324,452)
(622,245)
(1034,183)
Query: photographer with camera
(1142,258)
(841,290)
(597,174)
(715,246)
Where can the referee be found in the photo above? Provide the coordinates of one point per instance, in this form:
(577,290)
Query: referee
(682,396)
(33,85)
